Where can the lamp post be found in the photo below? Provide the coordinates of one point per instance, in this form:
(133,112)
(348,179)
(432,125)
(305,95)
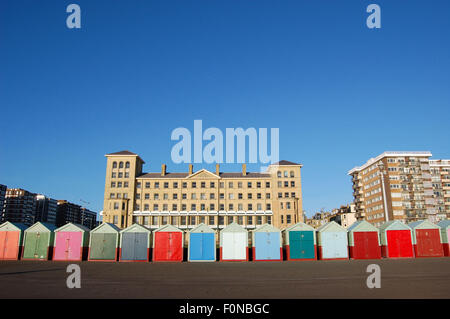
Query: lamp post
(382,173)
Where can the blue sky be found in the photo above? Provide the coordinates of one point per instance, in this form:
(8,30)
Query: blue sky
(339,92)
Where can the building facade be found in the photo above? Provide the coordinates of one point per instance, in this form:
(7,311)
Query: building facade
(72,213)
(3,189)
(440,178)
(20,206)
(394,186)
(344,216)
(318,219)
(188,199)
(46,209)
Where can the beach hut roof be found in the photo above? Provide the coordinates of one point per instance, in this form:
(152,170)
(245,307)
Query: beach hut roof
(135,228)
(444,223)
(234,228)
(266,228)
(299,226)
(331,226)
(423,224)
(41,227)
(362,226)
(202,228)
(73,227)
(106,228)
(394,225)
(168,228)
(8,226)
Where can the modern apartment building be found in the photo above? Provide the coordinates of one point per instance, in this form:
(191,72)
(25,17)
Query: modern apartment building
(187,199)
(46,209)
(19,206)
(3,189)
(394,186)
(73,213)
(440,178)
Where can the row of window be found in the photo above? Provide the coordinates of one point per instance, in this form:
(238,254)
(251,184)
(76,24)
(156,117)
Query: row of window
(285,174)
(203,196)
(212,207)
(120,175)
(121,164)
(203,184)
(194,220)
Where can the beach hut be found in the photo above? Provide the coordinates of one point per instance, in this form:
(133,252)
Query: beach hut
(104,243)
(202,244)
(71,243)
(233,243)
(364,241)
(426,238)
(445,236)
(11,236)
(38,241)
(332,242)
(267,243)
(134,243)
(396,240)
(300,242)
(168,244)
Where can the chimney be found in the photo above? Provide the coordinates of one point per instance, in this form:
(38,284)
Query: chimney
(244,169)
(190,169)
(163,169)
(217,169)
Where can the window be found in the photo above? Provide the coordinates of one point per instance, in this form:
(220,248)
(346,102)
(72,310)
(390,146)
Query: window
(286,195)
(203,185)
(112,195)
(222,196)
(267,184)
(183,220)
(240,207)
(258,196)
(211,196)
(211,220)
(136,206)
(249,220)
(288,205)
(113,175)
(240,196)
(239,184)
(193,196)
(240,220)
(175,185)
(202,196)
(184,185)
(191,220)
(230,185)
(119,195)
(116,206)
(221,207)
(115,166)
(193,207)
(155,206)
(121,165)
(230,206)
(212,185)
(202,207)
(127,165)
(156,196)
(282,219)
(288,219)
(165,207)
(221,220)
(280,195)
(229,220)
(115,217)
(166,196)
(146,220)
(113,184)
(292,183)
(291,173)
(127,175)
(286,184)
(156,184)
(146,207)
(164,220)
(166,185)
(269,220)
(154,220)
(138,196)
(147,184)
(259,206)
(119,184)
(268,207)
(221,184)
(231,196)
(285,174)
(125,184)
(183,207)
(268,196)
(258,184)
(138,185)
(293,194)
(250,207)
(201,219)
(278,174)
(175,196)
(258,220)
(194,185)
(211,207)
(249,185)
(249,195)
(279,184)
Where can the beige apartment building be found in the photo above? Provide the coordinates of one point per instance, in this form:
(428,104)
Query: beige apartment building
(440,178)
(395,186)
(190,198)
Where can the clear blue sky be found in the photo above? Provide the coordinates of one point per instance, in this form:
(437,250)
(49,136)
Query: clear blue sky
(339,92)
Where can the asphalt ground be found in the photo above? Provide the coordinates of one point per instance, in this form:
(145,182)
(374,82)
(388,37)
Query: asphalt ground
(400,278)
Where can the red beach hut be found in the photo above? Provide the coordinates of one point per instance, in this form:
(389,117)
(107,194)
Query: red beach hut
(396,240)
(426,239)
(168,244)
(363,241)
